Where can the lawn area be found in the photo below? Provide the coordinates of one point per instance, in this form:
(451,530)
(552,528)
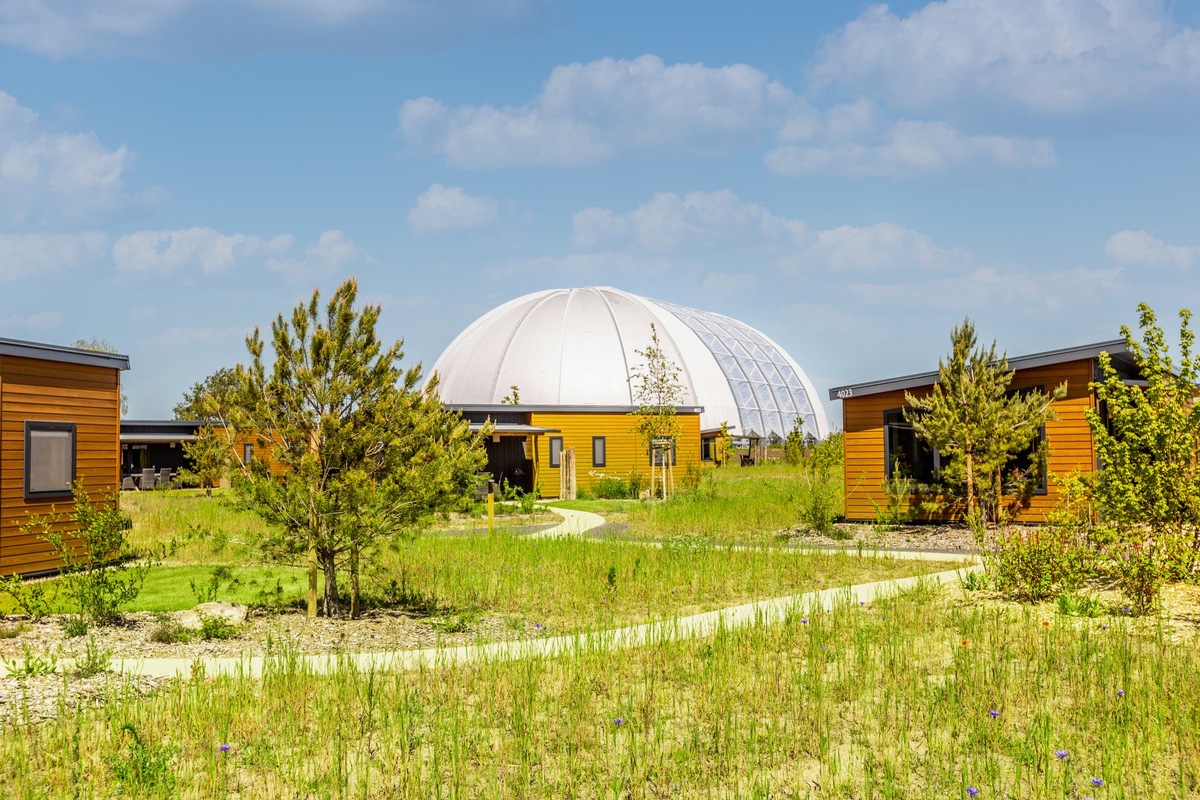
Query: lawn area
(925,695)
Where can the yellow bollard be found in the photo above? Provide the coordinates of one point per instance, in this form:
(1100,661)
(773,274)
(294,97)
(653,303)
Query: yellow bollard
(491,512)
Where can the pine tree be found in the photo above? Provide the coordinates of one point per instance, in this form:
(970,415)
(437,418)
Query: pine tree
(362,450)
(976,424)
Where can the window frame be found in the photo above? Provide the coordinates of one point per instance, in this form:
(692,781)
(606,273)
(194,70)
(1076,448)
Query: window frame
(889,462)
(602,461)
(674,454)
(32,426)
(555,454)
(247,452)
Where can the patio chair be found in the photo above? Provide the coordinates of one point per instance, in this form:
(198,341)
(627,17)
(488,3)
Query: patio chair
(164,478)
(128,484)
(147,480)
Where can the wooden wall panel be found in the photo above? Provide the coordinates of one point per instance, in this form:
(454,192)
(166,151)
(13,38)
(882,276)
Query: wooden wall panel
(47,391)
(1069,438)
(625,452)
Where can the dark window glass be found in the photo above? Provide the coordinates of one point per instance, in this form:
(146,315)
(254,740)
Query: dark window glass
(599,451)
(658,455)
(49,459)
(555,451)
(247,453)
(906,451)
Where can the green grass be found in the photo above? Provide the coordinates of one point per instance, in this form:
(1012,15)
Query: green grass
(892,699)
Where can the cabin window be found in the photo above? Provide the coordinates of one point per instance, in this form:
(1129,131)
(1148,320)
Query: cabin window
(49,459)
(247,452)
(556,451)
(658,457)
(907,454)
(599,451)
(708,449)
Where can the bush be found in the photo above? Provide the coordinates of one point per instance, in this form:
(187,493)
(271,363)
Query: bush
(94,578)
(1142,565)
(1037,564)
(216,628)
(167,630)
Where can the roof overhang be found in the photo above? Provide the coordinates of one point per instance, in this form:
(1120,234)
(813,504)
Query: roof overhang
(1117,348)
(502,408)
(156,438)
(64,355)
(512,429)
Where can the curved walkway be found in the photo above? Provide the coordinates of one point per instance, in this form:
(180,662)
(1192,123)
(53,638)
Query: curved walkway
(575,523)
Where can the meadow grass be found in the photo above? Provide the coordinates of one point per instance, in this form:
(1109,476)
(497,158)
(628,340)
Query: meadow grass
(917,696)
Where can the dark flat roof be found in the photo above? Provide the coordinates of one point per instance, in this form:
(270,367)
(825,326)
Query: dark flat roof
(1116,348)
(65,355)
(512,428)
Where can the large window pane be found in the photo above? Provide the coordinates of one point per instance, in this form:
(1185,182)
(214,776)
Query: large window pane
(49,459)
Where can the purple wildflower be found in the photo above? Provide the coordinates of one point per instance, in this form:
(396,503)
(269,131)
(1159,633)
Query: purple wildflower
(619,721)
(1120,692)
(1097,781)
(537,626)
(993,713)
(1061,753)
(804,620)
(1103,627)
(972,791)
(224,748)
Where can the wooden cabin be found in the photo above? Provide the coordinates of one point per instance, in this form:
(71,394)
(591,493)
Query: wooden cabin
(528,442)
(60,413)
(878,441)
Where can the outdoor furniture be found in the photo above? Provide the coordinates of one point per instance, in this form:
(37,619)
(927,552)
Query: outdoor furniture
(147,481)
(128,484)
(164,478)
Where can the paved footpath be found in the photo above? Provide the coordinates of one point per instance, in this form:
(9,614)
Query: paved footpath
(576,523)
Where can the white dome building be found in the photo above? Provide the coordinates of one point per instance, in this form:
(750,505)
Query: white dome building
(578,348)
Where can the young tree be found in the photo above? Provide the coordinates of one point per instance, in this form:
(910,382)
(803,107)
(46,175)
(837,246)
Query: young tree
(657,391)
(363,450)
(210,455)
(1148,440)
(976,424)
(212,400)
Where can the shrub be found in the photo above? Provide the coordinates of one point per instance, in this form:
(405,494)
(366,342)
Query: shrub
(31,597)
(1143,564)
(167,630)
(94,662)
(216,628)
(899,492)
(94,578)
(1037,564)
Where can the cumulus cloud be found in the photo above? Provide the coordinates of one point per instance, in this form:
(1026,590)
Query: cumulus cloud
(1142,249)
(670,221)
(875,248)
(38,324)
(590,112)
(181,28)
(36,254)
(207,252)
(1052,58)
(899,149)
(46,172)
(441,208)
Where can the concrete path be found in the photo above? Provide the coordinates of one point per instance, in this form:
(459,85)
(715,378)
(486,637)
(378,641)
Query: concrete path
(575,523)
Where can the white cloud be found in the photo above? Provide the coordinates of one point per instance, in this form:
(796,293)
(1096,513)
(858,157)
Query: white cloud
(882,247)
(83,29)
(442,208)
(586,113)
(1059,57)
(39,324)
(669,221)
(46,172)
(903,148)
(38,254)
(208,252)
(1140,248)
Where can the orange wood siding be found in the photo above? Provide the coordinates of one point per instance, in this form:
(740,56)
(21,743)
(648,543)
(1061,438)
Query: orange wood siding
(47,391)
(625,453)
(1070,440)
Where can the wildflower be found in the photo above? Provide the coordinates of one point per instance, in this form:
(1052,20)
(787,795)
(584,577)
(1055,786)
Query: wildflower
(1120,692)
(537,626)
(965,643)
(993,713)
(1045,623)
(224,748)
(804,620)
(1097,781)
(619,721)
(1103,627)
(972,791)
(1061,753)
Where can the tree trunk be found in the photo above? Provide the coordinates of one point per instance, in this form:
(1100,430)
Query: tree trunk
(333,601)
(355,604)
(969,458)
(312,575)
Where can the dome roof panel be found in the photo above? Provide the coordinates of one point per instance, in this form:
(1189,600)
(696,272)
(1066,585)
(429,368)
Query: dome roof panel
(580,347)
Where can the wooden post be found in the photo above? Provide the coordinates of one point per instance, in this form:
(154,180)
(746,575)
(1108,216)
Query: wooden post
(566,475)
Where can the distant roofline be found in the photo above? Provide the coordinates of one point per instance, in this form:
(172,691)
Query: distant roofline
(1115,347)
(500,408)
(66,355)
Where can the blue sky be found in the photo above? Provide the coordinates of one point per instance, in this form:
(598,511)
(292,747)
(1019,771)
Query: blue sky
(851,179)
